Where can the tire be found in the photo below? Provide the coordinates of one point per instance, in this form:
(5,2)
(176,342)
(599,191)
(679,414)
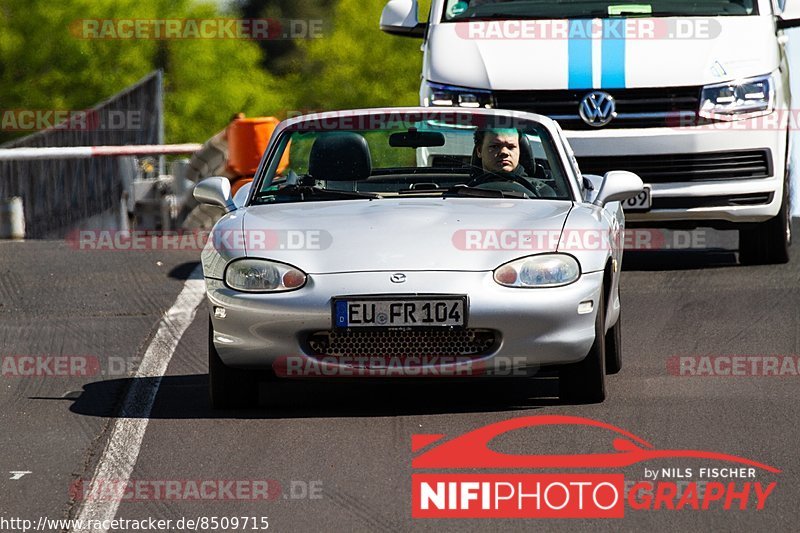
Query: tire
(614,347)
(229,388)
(585,381)
(768,243)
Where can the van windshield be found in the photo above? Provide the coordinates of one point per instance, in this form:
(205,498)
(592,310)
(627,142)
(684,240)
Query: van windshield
(461,10)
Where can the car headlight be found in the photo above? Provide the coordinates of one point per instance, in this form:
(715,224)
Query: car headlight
(739,99)
(259,275)
(436,94)
(547,270)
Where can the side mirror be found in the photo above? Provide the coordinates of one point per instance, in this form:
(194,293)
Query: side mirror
(591,186)
(399,17)
(789,17)
(618,185)
(215,191)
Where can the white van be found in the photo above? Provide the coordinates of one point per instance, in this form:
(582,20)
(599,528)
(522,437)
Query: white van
(693,96)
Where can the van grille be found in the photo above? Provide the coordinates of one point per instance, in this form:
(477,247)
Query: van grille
(678,168)
(713,201)
(636,108)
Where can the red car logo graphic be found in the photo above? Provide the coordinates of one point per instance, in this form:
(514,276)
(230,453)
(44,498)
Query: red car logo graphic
(471,450)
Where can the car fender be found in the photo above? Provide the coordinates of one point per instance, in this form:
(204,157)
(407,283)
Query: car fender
(592,236)
(225,243)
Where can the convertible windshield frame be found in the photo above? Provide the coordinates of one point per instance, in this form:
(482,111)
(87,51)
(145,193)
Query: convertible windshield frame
(264,178)
(587,9)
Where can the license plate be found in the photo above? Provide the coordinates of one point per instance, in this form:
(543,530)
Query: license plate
(416,312)
(641,202)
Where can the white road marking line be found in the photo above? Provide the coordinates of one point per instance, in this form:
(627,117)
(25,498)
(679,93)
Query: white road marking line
(17,474)
(122,449)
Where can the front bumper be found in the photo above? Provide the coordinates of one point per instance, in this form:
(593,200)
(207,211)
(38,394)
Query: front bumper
(764,193)
(535,326)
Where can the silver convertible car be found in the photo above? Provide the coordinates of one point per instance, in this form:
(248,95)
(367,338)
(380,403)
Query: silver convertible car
(421,242)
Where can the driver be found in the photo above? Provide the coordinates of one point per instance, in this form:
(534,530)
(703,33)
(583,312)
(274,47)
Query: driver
(499,152)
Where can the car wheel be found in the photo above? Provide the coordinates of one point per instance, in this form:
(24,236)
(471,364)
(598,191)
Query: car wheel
(768,243)
(585,381)
(228,387)
(614,347)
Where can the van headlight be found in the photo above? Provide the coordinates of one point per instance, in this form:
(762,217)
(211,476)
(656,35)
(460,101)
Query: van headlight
(439,95)
(740,99)
(260,275)
(546,270)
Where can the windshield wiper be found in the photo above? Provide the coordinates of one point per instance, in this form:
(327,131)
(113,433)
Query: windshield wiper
(436,191)
(499,16)
(477,192)
(637,14)
(316,193)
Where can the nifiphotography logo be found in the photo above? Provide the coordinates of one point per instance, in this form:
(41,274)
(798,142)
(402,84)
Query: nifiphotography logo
(556,486)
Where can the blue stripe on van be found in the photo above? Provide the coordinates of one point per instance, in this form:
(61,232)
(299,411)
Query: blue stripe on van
(612,75)
(579,52)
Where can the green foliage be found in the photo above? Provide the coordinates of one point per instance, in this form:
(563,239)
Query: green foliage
(284,56)
(45,64)
(357,65)
(207,81)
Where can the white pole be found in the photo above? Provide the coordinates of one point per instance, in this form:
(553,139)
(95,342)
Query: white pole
(12,219)
(85,152)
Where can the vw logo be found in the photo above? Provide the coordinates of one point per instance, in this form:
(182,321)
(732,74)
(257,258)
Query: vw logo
(597,108)
(398,278)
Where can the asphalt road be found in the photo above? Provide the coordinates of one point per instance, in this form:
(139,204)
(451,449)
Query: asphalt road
(339,455)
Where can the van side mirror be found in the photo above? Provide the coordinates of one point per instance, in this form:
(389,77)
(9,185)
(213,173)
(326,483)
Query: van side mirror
(399,17)
(215,191)
(790,16)
(618,185)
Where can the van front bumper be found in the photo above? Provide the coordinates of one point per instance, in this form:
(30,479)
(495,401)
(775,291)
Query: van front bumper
(684,197)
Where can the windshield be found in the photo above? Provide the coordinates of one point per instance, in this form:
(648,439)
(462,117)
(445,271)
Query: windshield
(430,158)
(458,10)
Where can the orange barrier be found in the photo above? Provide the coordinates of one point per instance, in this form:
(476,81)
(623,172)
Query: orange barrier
(238,183)
(247,140)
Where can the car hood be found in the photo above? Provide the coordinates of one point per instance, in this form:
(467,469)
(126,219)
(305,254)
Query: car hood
(401,234)
(713,51)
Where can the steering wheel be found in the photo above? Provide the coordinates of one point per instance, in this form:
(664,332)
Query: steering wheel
(491,177)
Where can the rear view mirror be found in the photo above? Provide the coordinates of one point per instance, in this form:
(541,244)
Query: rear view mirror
(416,139)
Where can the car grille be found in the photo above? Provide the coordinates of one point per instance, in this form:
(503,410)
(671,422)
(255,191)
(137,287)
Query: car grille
(712,201)
(636,108)
(671,168)
(399,343)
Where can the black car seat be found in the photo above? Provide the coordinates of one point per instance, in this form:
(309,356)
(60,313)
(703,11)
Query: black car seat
(340,156)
